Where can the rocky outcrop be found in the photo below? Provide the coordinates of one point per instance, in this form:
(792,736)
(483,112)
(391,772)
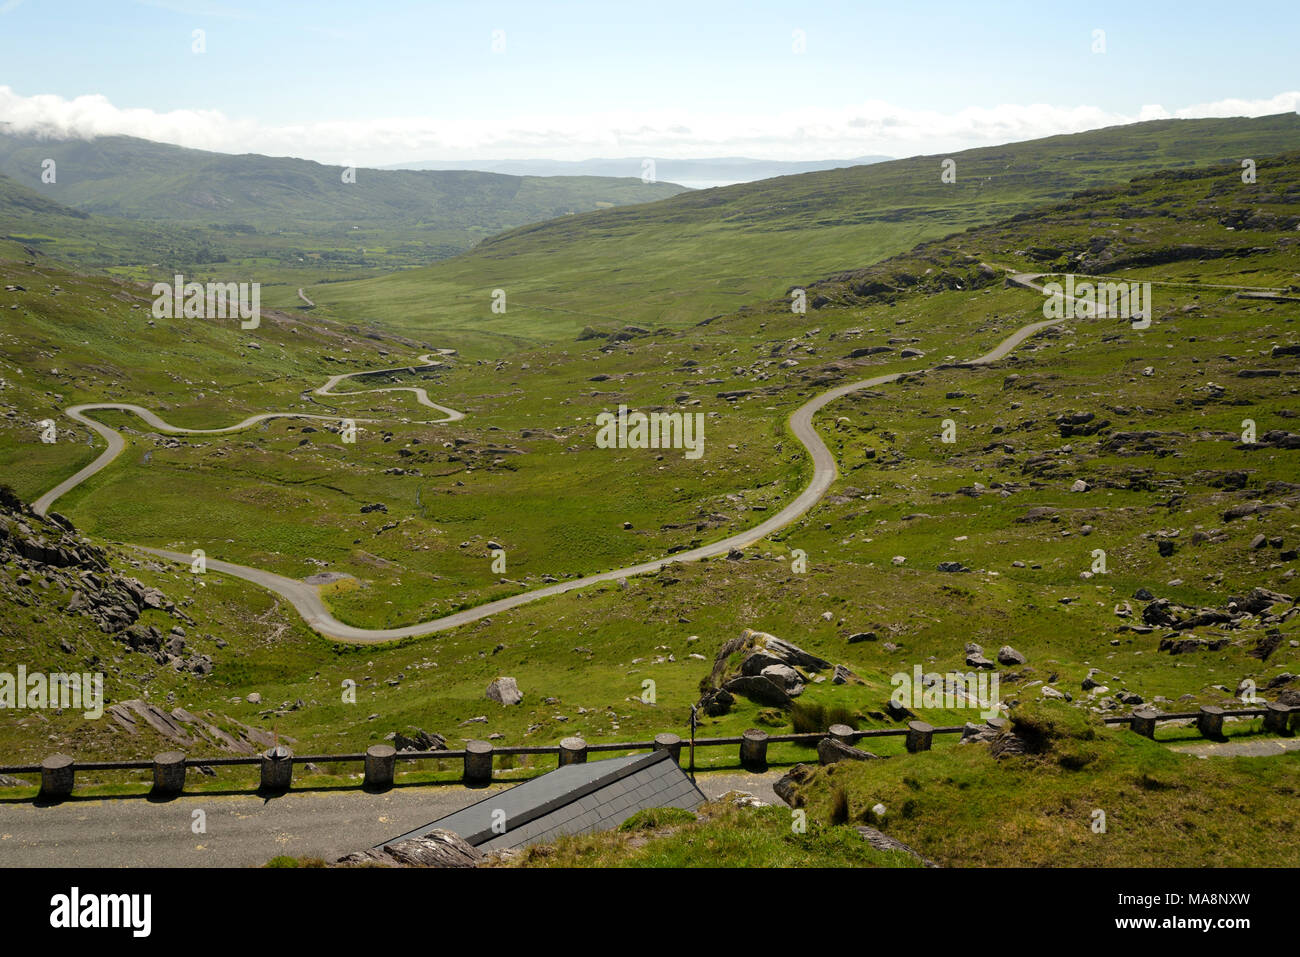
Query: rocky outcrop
(420,741)
(771,672)
(49,549)
(883,842)
(190,731)
(830,751)
(787,788)
(438,848)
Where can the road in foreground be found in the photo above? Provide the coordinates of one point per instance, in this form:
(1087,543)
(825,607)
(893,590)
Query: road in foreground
(245,830)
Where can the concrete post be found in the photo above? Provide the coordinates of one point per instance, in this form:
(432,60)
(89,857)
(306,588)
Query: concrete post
(671,743)
(57,776)
(753,749)
(1210,721)
(478,762)
(1275,717)
(919,735)
(169,772)
(277,769)
(573,750)
(1143,722)
(381,766)
(841,733)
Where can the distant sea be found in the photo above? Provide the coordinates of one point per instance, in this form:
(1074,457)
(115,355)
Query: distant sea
(707,183)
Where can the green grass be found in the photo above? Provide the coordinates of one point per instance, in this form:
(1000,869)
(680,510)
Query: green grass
(721,836)
(263,498)
(680,261)
(964,808)
(129,204)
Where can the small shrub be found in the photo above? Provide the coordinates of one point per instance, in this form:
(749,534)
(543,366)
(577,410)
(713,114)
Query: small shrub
(653,818)
(9,498)
(809,717)
(839,806)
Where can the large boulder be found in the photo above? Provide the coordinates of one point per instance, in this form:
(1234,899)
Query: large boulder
(787,788)
(785,651)
(420,741)
(505,691)
(830,751)
(786,677)
(760,690)
(757,662)
(716,702)
(438,848)
(1009,656)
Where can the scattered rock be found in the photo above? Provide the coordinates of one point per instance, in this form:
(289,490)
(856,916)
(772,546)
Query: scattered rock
(505,691)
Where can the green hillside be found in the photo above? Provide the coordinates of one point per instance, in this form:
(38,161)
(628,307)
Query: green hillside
(687,258)
(261,212)
(1091,435)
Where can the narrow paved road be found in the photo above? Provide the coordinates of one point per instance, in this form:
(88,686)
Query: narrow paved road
(306,598)
(245,830)
(116,443)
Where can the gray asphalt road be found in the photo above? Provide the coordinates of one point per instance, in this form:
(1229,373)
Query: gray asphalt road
(306,598)
(116,443)
(244,830)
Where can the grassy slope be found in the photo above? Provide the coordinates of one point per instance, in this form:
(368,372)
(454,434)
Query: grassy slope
(681,260)
(593,650)
(273,219)
(964,808)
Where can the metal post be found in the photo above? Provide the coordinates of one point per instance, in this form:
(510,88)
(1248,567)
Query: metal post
(694,721)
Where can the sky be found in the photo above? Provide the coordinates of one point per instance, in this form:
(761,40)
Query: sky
(381,83)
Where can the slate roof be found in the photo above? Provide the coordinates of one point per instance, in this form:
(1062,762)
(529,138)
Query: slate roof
(574,799)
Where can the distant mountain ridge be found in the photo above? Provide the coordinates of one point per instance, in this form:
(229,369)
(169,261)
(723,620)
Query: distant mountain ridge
(208,207)
(139,179)
(729,169)
(702,253)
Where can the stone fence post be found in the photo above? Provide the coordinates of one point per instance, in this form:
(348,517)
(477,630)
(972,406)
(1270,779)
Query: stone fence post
(169,772)
(1275,717)
(58,774)
(1210,721)
(381,766)
(671,743)
(573,750)
(919,736)
(1143,722)
(753,749)
(277,769)
(478,762)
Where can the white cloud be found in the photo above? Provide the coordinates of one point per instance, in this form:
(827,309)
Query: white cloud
(871,127)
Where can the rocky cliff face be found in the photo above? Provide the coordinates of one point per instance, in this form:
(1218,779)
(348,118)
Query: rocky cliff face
(42,559)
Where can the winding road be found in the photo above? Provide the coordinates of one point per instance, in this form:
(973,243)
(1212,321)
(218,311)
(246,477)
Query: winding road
(306,598)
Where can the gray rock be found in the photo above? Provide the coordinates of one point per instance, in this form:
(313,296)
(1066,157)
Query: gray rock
(786,677)
(505,691)
(829,751)
(760,690)
(420,741)
(883,842)
(1009,656)
(438,848)
(843,676)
